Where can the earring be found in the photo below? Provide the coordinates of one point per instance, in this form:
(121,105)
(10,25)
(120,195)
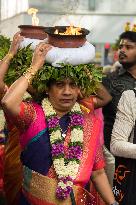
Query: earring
(47,94)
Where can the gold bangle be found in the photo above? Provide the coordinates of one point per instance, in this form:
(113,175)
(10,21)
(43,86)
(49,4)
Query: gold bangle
(9,56)
(31,71)
(29,74)
(28,77)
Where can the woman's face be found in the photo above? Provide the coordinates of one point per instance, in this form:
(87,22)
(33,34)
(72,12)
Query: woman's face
(63,95)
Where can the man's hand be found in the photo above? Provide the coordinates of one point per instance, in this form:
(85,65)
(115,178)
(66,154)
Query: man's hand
(39,55)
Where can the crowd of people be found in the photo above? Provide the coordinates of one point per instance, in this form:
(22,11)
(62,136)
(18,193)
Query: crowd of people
(54,153)
(118,135)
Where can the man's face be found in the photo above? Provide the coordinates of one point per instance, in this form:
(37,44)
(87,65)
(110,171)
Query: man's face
(127,53)
(63,95)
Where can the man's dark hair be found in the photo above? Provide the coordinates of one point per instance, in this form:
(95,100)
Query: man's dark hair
(130,35)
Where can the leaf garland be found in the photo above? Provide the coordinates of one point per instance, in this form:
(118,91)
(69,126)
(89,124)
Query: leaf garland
(21,62)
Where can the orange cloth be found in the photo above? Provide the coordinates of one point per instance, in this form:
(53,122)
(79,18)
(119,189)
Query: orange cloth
(12,168)
(87,104)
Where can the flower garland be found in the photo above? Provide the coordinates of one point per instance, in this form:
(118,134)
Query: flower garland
(66,164)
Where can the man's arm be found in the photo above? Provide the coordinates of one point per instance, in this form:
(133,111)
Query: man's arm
(99,100)
(99,177)
(102,98)
(124,126)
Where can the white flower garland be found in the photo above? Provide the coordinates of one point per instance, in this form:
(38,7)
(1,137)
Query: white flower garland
(71,168)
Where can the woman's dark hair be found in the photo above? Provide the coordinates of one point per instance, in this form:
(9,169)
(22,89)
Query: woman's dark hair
(130,35)
(50,83)
(39,96)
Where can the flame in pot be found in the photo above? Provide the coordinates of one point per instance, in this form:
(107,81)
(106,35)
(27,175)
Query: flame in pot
(35,19)
(71,30)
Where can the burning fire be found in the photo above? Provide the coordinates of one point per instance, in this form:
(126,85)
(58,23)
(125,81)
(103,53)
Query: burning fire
(35,19)
(71,30)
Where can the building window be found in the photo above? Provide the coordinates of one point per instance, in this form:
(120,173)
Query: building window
(92,5)
(10,8)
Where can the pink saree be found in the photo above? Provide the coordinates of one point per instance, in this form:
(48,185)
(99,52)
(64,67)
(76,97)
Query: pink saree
(40,189)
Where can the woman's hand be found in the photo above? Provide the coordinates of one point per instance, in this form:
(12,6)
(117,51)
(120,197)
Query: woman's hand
(15,43)
(4,64)
(39,55)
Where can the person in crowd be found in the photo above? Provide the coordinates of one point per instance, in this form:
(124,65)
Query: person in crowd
(116,83)
(56,141)
(123,146)
(12,169)
(116,66)
(12,164)
(107,69)
(111,68)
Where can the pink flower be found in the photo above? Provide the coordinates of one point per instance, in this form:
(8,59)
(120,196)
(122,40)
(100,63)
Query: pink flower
(57,149)
(76,120)
(53,122)
(75,152)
